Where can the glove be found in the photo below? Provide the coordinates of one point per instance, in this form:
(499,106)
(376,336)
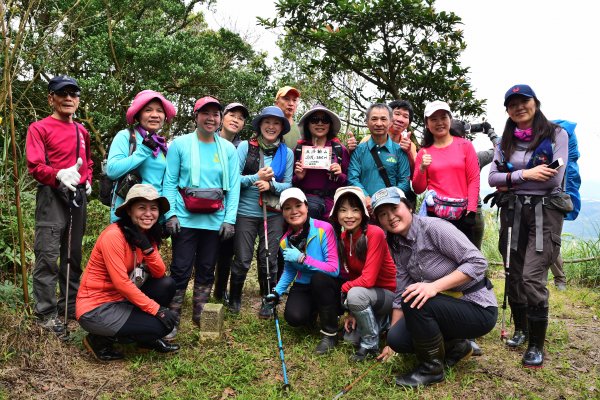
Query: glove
(271,300)
(88,188)
(138,239)
(167,317)
(344,300)
(149,142)
(469,219)
(173,226)
(226,231)
(70,176)
(292,254)
(485,126)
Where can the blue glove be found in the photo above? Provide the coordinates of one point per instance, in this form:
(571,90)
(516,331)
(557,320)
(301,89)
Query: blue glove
(292,254)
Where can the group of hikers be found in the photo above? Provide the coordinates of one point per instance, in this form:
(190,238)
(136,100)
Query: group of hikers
(337,225)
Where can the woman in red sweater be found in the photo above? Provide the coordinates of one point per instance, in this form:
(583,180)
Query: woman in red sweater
(447,166)
(116,299)
(368,269)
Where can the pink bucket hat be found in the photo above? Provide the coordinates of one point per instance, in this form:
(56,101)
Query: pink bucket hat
(143,98)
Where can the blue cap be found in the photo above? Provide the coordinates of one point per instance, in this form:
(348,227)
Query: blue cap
(521,90)
(391,195)
(271,111)
(60,81)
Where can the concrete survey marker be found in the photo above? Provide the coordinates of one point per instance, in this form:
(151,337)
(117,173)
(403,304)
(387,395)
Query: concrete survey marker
(211,322)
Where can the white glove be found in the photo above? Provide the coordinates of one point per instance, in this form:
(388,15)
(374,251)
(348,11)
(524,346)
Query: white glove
(70,176)
(88,188)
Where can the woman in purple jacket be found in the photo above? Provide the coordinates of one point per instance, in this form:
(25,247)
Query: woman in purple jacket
(319,127)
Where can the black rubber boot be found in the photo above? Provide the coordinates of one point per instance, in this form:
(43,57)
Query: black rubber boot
(101,348)
(538,325)
(430,354)
(519,313)
(220,286)
(457,350)
(235,293)
(329,325)
(159,346)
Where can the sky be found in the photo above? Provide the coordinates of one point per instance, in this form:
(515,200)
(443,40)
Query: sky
(548,44)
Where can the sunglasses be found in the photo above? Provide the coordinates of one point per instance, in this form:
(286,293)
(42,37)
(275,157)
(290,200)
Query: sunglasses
(65,93)
(316,120)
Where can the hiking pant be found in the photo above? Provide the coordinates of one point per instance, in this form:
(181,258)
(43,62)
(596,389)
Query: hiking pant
(246,231)
(558,271)
(194,250)
(52,218)
(453,318)
(478,229)
(304,300)
(528,269)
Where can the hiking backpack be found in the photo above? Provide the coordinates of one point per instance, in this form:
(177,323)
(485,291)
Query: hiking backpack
(572,176)
(107,186)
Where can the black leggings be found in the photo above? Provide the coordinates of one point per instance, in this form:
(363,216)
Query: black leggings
(141,326)
(304,300)
(453,318)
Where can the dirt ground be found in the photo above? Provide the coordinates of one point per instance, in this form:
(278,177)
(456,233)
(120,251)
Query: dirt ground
(36,365)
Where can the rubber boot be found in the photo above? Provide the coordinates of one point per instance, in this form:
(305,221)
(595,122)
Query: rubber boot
(457,350)
(221,278)
(175,306)
(201,295)
(537,320)
(235,293)
(430,355)
(266,310)
(519,313)
(329,325)
(368,328)
(101,347)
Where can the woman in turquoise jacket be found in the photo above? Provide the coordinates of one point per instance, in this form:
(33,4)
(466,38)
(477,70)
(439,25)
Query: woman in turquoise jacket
(311,267)
(147,114)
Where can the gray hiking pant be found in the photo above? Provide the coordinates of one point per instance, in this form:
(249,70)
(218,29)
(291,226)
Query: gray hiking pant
(52,216)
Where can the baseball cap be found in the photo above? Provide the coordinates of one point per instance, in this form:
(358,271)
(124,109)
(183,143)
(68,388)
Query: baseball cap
(436,105)
(60,81)
(146,192)
(521,90)
(391,195)
(206,100)
(232,106)
(285,90)
(355,190)
(292,193)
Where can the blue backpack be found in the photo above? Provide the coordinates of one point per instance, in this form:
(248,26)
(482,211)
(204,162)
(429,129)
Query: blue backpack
(572,177)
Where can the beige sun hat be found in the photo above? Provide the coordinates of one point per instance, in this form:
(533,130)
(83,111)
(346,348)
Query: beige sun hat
(355,190)
(145,192)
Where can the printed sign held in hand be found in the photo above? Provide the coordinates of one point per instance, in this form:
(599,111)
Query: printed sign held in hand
(316,157)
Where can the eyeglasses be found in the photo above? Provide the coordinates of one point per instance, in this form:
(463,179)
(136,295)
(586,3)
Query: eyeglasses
(316,120)
(65,93)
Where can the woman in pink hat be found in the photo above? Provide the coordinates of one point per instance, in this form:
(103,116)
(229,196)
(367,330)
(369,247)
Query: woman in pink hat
(138,154)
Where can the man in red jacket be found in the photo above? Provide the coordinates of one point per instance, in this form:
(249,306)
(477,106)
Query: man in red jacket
(59,159)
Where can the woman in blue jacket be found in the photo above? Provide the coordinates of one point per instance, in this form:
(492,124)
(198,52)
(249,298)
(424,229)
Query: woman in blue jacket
(147,114)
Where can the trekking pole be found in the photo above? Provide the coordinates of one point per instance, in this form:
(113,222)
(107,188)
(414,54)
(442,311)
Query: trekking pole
(346,389)
(510,220)
(67,280)
(286,383)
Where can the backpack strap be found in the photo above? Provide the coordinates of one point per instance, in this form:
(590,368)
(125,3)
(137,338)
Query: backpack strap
(380,167)
(252,162)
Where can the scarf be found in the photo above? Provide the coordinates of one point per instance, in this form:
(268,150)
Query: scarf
(278,150)
(298,239)
(525,135)
(159,140)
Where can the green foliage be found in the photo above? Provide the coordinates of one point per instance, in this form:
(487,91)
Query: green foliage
(404,49)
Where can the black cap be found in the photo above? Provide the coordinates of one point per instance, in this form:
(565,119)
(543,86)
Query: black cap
(60,81)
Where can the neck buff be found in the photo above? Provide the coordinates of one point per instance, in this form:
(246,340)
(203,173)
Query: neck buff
(525,135)
(159,140)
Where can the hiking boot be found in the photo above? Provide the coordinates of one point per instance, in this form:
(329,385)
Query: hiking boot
(457,350)
(160,346)
(171,335)
(101,348)
(363,353)
(52,324)
(476,349)
(561,287)
(327,343)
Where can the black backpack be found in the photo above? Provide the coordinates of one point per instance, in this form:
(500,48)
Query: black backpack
(107,186)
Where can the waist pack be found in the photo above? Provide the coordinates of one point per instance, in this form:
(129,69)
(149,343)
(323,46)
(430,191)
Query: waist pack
(271,200)
(202,201)
(449,208)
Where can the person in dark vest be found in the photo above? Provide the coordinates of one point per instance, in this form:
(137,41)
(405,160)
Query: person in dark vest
(59,159)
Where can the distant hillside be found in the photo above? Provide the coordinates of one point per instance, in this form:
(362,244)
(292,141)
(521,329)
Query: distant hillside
(587,225)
